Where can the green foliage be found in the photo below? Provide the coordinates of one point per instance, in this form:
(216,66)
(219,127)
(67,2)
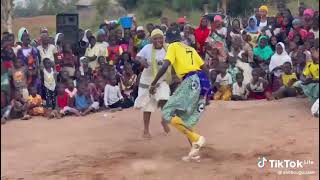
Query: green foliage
(32,9)
(48,7)
(243,6)
(51,7)
(151,8)
(128,4)
(101,6)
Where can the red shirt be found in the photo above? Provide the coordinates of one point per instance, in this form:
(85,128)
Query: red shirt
(62,100)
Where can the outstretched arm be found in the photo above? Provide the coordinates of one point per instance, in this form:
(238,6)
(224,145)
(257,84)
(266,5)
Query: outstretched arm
(160,73)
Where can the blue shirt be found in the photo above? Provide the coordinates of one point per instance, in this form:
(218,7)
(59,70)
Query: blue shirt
(82,102)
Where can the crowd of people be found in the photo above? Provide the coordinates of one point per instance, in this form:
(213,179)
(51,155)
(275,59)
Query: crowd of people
(259,57)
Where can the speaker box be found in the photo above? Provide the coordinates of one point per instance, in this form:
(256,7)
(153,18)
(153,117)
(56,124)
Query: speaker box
(68,24)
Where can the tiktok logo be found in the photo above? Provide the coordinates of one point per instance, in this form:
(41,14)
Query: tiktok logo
(261,162)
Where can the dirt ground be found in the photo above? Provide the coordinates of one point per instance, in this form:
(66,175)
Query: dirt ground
(108,146)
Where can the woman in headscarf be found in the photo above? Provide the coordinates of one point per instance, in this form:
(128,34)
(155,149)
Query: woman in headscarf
(218,32)
(308,18)
(201,34)
(58,42)
(297,29)
(84,42)
(253,30)
(29,54)
(233,32)
(151,58)
(96,49)
(275,66)
(263,52)
(283,29)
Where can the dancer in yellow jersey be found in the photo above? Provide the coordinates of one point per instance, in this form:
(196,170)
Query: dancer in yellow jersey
(184,107)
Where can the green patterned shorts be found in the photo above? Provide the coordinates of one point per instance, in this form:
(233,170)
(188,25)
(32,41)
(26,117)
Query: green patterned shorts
(185,102)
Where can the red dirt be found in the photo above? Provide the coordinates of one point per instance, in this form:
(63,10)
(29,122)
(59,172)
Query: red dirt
(106,146)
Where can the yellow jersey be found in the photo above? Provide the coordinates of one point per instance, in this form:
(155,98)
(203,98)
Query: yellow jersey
(312,69)
(286,78)
(183,58)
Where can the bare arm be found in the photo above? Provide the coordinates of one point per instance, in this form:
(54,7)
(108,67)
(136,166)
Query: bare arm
(161,72)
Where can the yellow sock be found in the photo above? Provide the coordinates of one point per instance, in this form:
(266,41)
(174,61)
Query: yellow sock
(179,124)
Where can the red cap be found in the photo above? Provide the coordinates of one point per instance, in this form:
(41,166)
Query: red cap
(181,20)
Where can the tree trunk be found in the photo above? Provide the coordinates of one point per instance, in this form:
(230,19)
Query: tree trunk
(225,6)
(7,14)
(9,22)
(205,8)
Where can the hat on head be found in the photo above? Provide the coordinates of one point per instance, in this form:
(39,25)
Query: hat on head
(140,28)
(173,34)
(309,12)
(181,20)
(263,8)
(156,32)
(296,22)
(218,18)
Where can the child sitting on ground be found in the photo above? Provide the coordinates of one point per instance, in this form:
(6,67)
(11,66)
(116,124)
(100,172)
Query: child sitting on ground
(224,80)
(64,105)
(71,90)
(19,107)
(288,79)
(112,96)
(18,75)
(128,84)
(34,101)
(84,102)
(214,84)
(239,90)
(233,70)
(245,67)
(258,86)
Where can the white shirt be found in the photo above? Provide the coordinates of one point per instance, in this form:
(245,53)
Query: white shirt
(262,25)
(47,53)
(239,91)
(222,31)
(223,81)
(49,81)
(146,53)
(247,71)
(99,49)
(112,94)
(316,33)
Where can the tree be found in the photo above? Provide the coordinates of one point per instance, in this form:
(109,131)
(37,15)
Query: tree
(101,6)
(7,8)
(51,7)
(128,4)
(151,8)
(185,6)
(31,9)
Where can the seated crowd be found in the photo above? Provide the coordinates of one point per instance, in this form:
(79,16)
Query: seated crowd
(260,57)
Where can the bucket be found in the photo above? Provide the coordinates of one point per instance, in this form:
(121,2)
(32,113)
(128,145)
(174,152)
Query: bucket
(126,22)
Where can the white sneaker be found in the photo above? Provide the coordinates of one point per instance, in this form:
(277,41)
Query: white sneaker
(196,147)
(188,158)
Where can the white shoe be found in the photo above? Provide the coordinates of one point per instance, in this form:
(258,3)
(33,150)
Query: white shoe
(196,147)
(188,158)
